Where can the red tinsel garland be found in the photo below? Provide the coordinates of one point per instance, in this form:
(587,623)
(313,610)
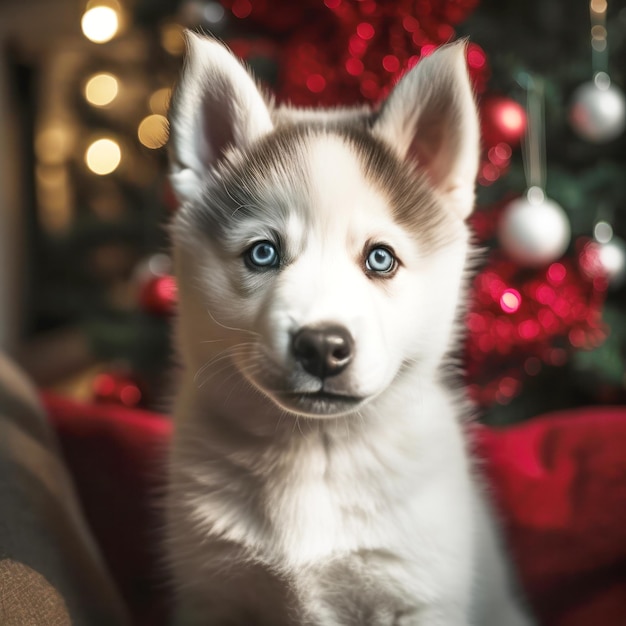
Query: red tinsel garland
(367,44)
(521,319)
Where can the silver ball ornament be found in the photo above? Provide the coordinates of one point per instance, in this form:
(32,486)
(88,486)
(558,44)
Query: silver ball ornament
(598,110)
(206,13)
(612,258)
(534,230)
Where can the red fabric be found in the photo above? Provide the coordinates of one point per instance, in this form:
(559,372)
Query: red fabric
(559,482)
(116,457)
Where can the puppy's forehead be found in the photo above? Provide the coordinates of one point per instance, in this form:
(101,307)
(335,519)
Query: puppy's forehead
(319,174)
(355,179)
(339,185)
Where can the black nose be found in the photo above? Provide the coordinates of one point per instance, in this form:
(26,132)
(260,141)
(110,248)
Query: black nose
(323,351)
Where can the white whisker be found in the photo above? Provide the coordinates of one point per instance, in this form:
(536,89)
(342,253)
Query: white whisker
(233,328)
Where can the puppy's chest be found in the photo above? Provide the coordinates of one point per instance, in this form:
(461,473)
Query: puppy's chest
(308,504)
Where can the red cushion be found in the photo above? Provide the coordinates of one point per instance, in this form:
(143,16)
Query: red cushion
(115,456)
(559,482)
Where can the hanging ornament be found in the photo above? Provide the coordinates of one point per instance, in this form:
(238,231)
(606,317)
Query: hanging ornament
(612,257)
(608,255)
(598,108)
(118,388)
(159,295)
(156,286)
(502,120)
(534,230)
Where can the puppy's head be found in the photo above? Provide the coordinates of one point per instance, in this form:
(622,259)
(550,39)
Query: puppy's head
(320,254)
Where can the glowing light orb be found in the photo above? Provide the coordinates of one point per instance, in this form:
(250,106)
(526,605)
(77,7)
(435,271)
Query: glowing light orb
(101,89)
(103,156)
(160,100)
(510,300)
(100,24)
(153,131)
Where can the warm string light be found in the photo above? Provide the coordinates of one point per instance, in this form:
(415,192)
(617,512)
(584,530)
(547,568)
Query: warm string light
(599,48)
(54,193)
(103,156)
(101,89)
(153,131)
(101,21)
(54,145)
(159,101)
(172,38)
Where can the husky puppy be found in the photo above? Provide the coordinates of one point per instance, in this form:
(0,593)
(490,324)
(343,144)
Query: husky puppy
(319,474)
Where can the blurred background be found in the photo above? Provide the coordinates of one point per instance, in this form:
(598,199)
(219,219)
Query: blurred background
(86,296)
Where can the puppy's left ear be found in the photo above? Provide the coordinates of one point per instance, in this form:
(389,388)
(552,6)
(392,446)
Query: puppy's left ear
(430,117)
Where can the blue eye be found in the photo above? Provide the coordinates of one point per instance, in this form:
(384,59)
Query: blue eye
(380,260)
(263,255)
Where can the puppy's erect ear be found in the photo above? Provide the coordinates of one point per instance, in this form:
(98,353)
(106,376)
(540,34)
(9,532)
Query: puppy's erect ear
(430,116)
(216,106)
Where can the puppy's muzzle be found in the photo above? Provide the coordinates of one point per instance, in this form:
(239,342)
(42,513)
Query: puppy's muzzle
(323,351)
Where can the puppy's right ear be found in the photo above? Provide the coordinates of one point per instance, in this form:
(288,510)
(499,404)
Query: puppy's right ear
(217,105)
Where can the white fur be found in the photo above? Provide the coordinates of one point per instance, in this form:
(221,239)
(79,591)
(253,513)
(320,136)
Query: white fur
(324,514)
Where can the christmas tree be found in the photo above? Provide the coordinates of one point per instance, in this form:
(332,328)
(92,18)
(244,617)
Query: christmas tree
(567,311)
(546,303)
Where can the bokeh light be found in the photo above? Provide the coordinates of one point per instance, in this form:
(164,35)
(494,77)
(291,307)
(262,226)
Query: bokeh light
(100,23)
(510,300)
(101,89)
(103,156)
(53,144)
(316,83)
(603,232)
(172,38)
(160,100)
(241,8)
(153,131)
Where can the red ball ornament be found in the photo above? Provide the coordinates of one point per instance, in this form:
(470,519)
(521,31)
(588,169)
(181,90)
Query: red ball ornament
(502,120)
(158,295)
(116,388)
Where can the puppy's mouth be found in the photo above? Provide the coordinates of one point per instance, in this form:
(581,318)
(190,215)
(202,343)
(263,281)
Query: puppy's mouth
(278,385)
(318,403)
